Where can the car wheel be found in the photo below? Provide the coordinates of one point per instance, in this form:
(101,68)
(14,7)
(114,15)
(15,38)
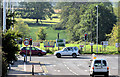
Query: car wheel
(93,75)
(22,54)
(107,75)
(39,54)
(58,55)
(74,55)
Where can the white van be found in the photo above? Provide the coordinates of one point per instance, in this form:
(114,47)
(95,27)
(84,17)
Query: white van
(99,67)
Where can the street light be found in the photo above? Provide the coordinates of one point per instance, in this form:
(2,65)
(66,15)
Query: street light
(97,29)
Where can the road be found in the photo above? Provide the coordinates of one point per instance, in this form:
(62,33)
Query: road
(67,65)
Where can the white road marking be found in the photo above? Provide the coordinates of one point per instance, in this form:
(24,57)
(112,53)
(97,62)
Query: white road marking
(86,70)
(54,65)
(58,70)
(71,70)
(24,67)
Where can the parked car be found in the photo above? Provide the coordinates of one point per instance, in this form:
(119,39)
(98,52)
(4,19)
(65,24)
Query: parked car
(67,51)
(34,51)
(99,67)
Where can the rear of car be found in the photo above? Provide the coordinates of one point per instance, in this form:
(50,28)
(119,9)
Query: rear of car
(34,51)
(99,67)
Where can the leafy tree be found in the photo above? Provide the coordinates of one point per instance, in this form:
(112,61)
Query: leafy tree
(42,34)
(9,45)
(36,10)
(22,28)
(10,21)
(113,35)
(77,21)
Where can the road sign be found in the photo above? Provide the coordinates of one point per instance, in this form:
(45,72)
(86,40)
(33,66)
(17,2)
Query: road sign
(49,44)
(104,42)
(26,42)
(36,44)
(60,42)
(91,44)
(117,44)
(81,46)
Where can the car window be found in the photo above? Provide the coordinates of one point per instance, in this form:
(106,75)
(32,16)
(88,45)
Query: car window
(104,63)
(36,49)
(24,48)
(65,49)
(97,63)
(33,48)
(28,48)
(75,48)
(68,49)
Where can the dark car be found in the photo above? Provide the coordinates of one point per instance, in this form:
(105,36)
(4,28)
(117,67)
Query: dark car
(34,51)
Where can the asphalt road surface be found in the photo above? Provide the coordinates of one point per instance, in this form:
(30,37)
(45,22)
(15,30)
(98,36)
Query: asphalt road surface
(66,65)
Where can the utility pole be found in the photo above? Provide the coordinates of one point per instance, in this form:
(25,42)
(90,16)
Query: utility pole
(4,15)
(13,16)
(97,29)
(58,38)
(7,6)
(91,34)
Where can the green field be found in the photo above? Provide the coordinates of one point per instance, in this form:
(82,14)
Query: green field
(46,24)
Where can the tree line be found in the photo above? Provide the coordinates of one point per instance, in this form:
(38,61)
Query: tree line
(80,18)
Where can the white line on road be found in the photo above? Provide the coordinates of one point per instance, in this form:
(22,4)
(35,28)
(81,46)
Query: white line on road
(71,70)
(24,66)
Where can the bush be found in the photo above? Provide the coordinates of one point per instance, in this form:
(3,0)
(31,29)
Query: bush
(42,34)
(9,45)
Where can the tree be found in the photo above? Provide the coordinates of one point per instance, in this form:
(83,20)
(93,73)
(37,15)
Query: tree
(113,35)
(9,45)
(77,21)
(22,28)
(10,19)
(36,10)
(42,34)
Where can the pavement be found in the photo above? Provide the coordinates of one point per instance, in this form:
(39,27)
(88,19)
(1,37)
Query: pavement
(22,68)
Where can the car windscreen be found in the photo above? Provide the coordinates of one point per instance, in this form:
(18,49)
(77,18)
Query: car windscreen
(97,63)
(104,63)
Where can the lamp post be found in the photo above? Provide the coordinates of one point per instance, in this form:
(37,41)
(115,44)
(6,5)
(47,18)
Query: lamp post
(4,15)
(97,29)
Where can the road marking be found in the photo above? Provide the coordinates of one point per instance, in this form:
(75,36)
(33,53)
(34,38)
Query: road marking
(65,65)
(86,70)
(24,66)
(54,65)
(71,70)
(58,70)
(44,68)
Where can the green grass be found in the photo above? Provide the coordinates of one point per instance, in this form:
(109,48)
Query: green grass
(108,49)
(51,33)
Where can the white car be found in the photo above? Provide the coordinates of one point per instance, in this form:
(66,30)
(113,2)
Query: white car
(99,67)
(67,51)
